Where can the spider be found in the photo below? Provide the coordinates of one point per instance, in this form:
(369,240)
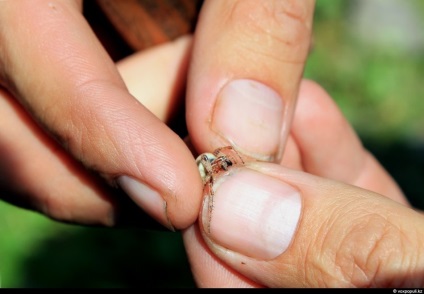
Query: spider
(212,165)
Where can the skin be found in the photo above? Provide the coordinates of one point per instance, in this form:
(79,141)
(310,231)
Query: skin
(95,123)
(327,186)
(334,177)
(382,223)
(91,130)
(267,43)
(48,179)
(86,128)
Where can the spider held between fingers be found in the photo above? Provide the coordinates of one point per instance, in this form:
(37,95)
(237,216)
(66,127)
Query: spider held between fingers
(213,165)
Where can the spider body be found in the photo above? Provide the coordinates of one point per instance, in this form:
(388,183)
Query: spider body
(212,165)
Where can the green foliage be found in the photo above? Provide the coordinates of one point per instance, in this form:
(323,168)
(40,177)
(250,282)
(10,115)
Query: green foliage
(378,87)
(377,84)
(38,252)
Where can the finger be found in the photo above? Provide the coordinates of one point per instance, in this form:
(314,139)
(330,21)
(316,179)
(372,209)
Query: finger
(81,100)
(159,88)
(208,270)
(285,228)
(330,148)
(292,157)
(45,178)
(37,174)
(248,59)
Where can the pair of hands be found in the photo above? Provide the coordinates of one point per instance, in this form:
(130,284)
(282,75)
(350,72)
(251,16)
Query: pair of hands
(272,225)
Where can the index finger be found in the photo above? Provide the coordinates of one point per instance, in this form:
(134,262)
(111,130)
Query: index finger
(53,63)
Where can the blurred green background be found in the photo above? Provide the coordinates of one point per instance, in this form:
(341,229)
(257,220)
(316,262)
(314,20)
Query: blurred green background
(368,54)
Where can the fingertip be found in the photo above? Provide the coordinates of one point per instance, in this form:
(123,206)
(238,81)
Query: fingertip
(243,62)
(166,184)
(355,235)
(330,142)
(88,108)
(156,76)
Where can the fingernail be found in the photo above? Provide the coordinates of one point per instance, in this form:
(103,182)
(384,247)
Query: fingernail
(251,213)
(147,198)
(249,115)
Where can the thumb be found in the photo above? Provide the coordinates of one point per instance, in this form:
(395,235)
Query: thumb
(247,62)
(285,228)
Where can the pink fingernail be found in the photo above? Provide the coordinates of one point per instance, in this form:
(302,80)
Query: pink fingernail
(252,213)
(249,115)
(147,198)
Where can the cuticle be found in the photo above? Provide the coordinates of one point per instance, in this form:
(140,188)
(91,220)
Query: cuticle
(168,220)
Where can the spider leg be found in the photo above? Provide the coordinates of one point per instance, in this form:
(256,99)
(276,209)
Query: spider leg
(214,165)
(230,153)
(210,202)
(218,151)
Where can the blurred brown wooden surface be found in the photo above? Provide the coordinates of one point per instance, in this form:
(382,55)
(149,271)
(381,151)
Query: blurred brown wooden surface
(145,23)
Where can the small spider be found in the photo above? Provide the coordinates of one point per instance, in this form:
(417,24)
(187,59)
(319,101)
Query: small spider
(212,165)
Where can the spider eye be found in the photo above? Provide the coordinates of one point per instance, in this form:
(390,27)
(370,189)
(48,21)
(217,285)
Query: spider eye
(208,157)
(228,162)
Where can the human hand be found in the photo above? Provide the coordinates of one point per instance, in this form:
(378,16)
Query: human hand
(278,226)
(246,69)
(105,131)
(58,80)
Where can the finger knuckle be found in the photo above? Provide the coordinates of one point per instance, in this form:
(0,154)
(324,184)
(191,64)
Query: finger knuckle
(284,23)
(367,254)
